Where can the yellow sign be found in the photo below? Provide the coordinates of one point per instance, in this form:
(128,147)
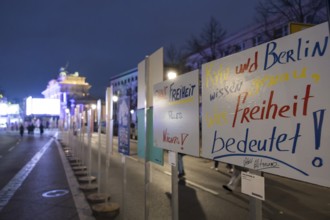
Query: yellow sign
(295,27)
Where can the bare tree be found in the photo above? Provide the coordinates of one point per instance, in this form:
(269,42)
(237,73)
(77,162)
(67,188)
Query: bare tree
(207,44)
(175,58)
(301,11)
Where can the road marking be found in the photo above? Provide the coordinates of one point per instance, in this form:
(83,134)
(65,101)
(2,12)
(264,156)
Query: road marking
(203,188)
(132,158)
(10,149)
(9,190)
(197,185)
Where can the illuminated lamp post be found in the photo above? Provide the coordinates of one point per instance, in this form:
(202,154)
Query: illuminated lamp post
(171,74)
(115,99)
(132,128)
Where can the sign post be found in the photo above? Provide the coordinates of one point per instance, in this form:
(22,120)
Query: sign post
(109,137)
(150,71)
(124,140)
(99,108)
(176,126)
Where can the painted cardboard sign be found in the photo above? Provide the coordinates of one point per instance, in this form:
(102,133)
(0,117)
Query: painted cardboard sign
(267,108)
(176,114)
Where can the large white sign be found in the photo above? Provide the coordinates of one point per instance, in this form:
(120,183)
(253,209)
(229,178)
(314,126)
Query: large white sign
(42,106)
(267,108)
(9,109)
(176,114)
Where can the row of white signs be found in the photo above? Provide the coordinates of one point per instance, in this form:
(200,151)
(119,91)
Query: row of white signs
(265,108)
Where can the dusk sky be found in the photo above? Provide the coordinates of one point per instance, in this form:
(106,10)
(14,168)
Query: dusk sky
(98,38)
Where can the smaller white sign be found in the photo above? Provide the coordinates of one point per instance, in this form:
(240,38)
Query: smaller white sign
(176,114)
(171,158)
(253,185)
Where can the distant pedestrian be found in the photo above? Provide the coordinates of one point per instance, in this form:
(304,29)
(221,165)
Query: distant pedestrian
(180,165)
(41,128)
(235,179)
(21,130)
(230,168)
(215,166)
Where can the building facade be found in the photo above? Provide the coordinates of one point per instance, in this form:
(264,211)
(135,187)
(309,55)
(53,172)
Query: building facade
(72,90)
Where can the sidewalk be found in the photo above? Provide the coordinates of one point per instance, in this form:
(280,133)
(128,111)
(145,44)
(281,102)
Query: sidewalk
(45,188)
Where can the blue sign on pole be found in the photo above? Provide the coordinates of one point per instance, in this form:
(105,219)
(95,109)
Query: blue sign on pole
(124,125)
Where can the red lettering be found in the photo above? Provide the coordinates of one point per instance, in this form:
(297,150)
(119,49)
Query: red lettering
(237,106)
(283,110)
(183,138)
(271,105)
(247,67)
(254,111)
(306,99)
(268,109)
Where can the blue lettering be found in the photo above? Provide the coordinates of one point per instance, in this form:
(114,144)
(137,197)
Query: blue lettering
(270,52)
(273,57)
(253,145)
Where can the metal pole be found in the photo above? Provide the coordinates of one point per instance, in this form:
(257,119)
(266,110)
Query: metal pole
(109,133)
(66,131)
(83,129)
(175,189)
(80,137)
(255,205)
(89,137)
(146,149)
(99,145)
(123,160)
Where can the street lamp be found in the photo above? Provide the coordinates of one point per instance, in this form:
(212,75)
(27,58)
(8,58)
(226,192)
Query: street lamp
(115,98)
(171,74)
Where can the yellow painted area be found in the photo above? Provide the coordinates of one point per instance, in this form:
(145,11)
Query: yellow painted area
(269,81)
(218,118)
(295,27)
(215,76)
(182,101)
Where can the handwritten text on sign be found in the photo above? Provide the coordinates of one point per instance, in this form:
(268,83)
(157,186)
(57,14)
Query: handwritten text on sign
(176,114)
(266,108)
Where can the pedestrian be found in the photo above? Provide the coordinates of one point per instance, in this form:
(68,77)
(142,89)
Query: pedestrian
(21,130)
(41,128)
(235,179)
(215,166)
(230,168)
(180,165)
